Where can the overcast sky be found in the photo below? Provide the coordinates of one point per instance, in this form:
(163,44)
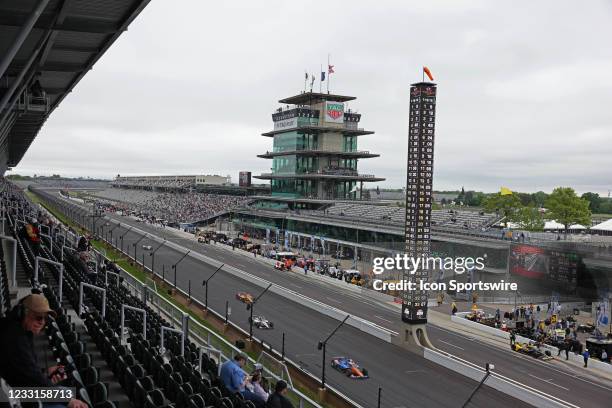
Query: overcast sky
(524,98)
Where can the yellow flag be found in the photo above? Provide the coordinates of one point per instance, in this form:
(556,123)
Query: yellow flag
(505,191)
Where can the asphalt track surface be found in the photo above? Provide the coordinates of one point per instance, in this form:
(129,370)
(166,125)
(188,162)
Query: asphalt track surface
(407,380)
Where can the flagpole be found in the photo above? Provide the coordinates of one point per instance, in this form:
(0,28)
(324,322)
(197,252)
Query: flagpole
(321,79)
(305,80)
(423,73)
(328,74)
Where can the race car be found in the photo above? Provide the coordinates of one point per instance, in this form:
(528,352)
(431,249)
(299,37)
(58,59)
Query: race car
(147,247)
(244,297)
(349,367)
(531,350)
(261,322)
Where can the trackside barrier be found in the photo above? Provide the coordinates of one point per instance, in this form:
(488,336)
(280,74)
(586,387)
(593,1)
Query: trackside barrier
(499,382)
(337,314)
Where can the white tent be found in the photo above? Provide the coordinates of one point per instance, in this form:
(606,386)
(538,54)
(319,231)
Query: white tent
(604,226)
(554,225)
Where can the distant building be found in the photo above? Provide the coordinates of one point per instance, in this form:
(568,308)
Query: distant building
(206,183)
(314,150)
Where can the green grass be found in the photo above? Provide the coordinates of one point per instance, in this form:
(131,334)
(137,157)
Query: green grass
(120,260)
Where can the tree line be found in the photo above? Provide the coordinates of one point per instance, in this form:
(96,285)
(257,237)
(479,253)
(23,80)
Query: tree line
(562,205)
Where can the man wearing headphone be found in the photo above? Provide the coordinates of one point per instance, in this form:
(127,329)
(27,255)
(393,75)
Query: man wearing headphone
(18,363)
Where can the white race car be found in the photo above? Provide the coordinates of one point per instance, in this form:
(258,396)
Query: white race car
(261,322)
(147,247)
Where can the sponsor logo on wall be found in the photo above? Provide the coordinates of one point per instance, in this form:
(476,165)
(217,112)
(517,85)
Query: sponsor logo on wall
(334,112)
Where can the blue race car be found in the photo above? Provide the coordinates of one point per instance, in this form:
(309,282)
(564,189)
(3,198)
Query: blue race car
(349,367)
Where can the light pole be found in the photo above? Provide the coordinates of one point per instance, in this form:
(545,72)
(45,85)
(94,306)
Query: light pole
(205,284)
(111,232)
(323,344)
(176,264)
(488,368)
(123,235)
(250,307)
(135,248)
(152,253)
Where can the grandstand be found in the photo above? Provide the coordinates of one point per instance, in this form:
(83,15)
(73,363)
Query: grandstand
(79,184)
(174,208)
(392,214)
(148,364)
(169,183)
(177,184)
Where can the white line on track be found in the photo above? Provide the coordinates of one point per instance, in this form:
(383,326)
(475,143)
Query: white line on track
(382,318)
(297,286)
(548,365)
(549,381)
(452,345)
(333,300)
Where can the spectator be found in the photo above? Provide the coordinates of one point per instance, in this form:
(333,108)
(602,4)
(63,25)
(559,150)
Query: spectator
(258,387)
(585,356)
(279,399)
(604,356)
(453,308)
(235,379)
(18,362)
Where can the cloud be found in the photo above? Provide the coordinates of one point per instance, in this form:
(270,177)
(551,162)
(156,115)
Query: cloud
(523,98)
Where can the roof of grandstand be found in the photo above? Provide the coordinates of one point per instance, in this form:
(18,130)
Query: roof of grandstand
(47,47)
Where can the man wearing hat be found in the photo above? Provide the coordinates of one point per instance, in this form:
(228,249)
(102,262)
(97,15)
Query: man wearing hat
(18,363)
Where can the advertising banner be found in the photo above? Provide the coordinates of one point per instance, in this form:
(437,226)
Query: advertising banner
(286,124)
(334,112)
(244,179)
(545,264)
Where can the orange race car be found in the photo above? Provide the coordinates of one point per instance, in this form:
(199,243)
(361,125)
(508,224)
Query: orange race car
(349,367)
(244,297)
